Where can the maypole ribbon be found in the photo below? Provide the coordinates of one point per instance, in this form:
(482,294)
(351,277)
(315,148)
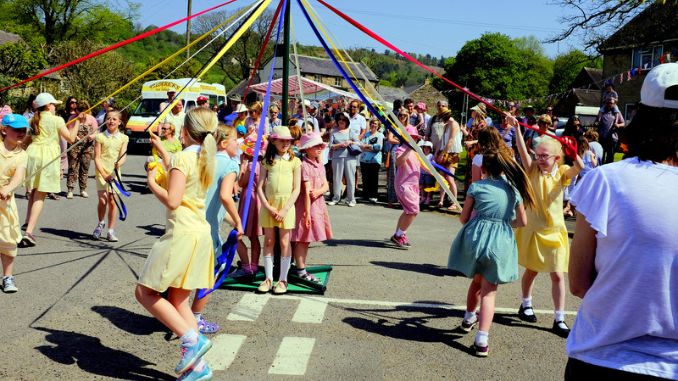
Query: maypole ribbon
(228,249)
(257,62)
(567,145)
(114,46)
(369,105)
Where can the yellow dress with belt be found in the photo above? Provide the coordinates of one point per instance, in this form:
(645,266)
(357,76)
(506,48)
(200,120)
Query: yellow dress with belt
(543,244)
(10,231)
(184,256)
(111,145)
(44,149)
(278,189)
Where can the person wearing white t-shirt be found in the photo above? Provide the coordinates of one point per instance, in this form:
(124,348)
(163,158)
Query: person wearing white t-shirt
(358,124)
(176,118)
(624,257)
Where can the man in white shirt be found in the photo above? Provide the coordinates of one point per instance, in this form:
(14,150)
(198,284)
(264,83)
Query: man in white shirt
(176,118)
(358,123)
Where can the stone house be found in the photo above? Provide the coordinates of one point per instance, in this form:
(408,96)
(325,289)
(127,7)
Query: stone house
(645,41)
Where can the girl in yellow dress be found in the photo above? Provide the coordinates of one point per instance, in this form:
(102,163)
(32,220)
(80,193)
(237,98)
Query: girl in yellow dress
(182,260)
(108,147)
(12,170)
(43,170)
(542,244)
(278,189)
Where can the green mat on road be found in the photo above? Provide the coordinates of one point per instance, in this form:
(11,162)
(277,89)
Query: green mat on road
(295,284)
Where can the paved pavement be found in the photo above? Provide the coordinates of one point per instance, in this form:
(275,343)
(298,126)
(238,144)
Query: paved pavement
(388,314)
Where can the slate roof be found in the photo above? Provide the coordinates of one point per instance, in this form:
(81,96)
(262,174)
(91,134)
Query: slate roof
(392,93)
(656,23)
(325,66)
(587,97)
(588,78)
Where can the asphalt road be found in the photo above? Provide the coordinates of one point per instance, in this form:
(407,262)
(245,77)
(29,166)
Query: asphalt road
(388,314)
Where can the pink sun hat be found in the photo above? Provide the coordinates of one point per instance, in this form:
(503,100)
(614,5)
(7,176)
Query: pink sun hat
(310,140)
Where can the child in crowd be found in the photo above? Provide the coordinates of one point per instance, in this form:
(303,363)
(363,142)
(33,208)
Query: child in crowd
(249,265)
(12,171)
(591,136)
(278,188)
(220,207)
(543,244)
(312,218)
(590,162)
(182,260)
(426,180)
(110,153)
(296,133)
(485,247)
(408,168)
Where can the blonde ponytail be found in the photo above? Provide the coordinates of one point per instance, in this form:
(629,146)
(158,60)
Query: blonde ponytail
(200,124)
(206,161)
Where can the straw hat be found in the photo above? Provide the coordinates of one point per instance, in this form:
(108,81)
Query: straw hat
(310,140)
(241,108)
(480,108)
(281,133)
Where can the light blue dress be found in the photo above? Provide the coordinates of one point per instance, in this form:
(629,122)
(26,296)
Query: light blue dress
(215,211)
(486,245)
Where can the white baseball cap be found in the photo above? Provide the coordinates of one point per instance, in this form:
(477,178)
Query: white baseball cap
(44,99)
(660,87)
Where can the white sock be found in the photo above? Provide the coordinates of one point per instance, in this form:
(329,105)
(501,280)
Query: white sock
(189,338)
(470,316)
(301,272)
(482,338)
(285,263)
(559,315)
(197,315)
(268,266)
(102,223)
(111,231)
(399,233)
(527,302)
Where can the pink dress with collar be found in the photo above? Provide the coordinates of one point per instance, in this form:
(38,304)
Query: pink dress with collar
(312,172)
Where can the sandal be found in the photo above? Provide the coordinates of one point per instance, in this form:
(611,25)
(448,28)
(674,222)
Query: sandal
(310,278)
(454,209)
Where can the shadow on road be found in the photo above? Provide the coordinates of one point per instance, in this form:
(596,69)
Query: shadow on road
(512,320)
(70,234)
(410,328)
(358,242)
(137,186)
(155,230)
(424,268)
(91,356)
(130,322)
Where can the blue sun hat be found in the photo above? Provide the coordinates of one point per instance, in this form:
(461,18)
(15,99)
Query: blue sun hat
(14,121)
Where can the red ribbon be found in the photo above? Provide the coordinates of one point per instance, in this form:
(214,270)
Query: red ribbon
(263,48)
(567,147)
(114,46)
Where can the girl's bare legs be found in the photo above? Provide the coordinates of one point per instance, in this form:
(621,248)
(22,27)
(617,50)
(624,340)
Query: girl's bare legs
(7,264)
(300,254)
(488,293)
(558,290)
(173,312)
(112,210)
(35,205)
(527,282)
(473,295)
(101,206)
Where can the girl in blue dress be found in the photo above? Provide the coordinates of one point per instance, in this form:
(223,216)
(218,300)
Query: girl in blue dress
(485,248)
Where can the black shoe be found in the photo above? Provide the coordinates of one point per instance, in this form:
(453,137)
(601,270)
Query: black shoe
(467,326)
(561,329)
(524,317)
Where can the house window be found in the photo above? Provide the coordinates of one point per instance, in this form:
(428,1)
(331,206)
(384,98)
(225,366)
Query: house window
(648,57)
(317,78)
(337,81)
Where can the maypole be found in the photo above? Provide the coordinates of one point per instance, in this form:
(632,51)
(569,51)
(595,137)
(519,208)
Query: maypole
(286,66)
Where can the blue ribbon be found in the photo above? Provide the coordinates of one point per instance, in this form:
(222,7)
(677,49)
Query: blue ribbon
(444,170)
(117,199)
(228,250)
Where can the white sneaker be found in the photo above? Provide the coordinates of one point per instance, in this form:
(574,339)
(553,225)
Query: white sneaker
(332,202)
(111,237)
(84,194)
(69,195)
(351,204)
(373,200)
(98,230)
(8,284)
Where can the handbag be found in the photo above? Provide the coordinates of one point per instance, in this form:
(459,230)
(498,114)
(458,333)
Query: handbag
(354,149)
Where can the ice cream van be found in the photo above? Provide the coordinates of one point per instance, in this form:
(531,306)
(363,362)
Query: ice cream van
(154,96)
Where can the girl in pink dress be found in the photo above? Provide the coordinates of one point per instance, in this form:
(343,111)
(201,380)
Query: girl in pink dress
(408,169)
(249,264)
(313,221)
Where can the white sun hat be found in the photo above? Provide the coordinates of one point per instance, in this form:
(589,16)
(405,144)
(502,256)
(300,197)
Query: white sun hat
(660,87)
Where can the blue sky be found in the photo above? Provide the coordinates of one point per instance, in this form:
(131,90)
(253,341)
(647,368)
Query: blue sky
(437,27)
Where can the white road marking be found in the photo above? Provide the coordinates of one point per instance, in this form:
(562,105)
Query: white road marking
(381,303)
(224,349)
(310,311)
(292,357)
(249,308)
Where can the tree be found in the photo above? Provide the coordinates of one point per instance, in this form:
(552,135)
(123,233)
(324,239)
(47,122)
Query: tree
(567,66)
(595,20)
(494,66)
(17,61)
(237,63)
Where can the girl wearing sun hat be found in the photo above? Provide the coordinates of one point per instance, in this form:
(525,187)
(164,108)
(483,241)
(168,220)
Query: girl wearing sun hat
(43,173)
(278,189)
